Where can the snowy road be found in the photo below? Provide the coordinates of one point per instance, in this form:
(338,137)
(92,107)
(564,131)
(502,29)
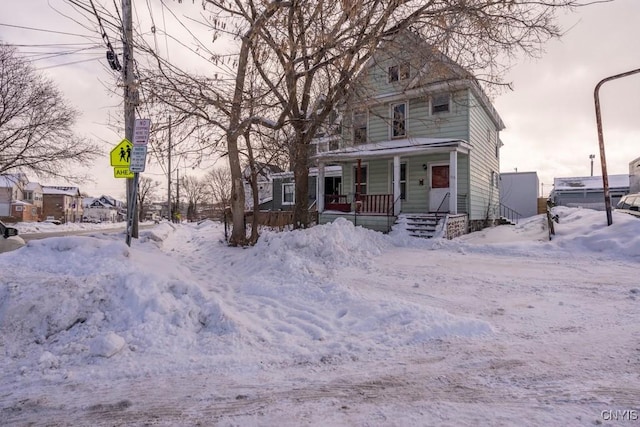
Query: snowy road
(564,347)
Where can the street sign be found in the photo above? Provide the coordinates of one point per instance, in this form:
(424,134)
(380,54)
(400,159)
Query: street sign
(122,172)
(121,155)
(138,158)
(141,130)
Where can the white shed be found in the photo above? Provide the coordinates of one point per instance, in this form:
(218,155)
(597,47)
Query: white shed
(519,192)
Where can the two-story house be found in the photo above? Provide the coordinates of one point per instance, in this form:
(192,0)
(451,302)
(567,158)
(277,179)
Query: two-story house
(418,137)
(101,209)
(62,203)
(12,191)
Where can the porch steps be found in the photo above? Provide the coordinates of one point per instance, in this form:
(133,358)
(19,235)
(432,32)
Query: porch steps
(419,225)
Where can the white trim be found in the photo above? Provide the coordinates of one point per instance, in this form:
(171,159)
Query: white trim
(284,203)
(391,175)
(391,119)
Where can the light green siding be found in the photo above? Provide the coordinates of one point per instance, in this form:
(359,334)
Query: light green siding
(484,200)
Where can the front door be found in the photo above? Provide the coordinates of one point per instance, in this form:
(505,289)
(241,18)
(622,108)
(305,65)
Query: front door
(438,187)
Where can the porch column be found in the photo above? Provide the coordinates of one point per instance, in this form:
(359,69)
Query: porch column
(397,204)
(453,182)
(320,187)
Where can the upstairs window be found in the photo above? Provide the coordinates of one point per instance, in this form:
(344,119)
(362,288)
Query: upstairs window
(441,103)
(398,120)
(360,127)
(288,194)
(399,72)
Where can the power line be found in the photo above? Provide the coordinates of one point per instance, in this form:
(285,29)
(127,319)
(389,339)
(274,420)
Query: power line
(69,63)
(42,30)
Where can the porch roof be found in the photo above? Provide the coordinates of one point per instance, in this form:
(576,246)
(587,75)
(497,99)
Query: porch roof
(385,149)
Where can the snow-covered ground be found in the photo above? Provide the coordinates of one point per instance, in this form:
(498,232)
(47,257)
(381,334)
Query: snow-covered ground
(335,325)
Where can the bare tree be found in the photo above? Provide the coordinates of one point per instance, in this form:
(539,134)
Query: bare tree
(36,123)
(218,185)
(194,191)
(308,53)
(147,193)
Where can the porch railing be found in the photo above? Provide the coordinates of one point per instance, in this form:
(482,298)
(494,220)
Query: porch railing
(374,203)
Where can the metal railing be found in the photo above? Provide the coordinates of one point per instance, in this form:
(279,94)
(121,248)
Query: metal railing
(441,203)
(510,214)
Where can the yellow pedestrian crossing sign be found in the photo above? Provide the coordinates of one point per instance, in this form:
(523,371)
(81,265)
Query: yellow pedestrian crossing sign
(121,155)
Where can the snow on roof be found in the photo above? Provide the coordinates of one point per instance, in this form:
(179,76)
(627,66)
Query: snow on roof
(391,147)
(67,191)
(33,186)
(589,182)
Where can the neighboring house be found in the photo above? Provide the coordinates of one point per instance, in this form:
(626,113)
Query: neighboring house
(634,176)
(588,191)
(62,203)
(265,185)
(418,136)
(519,194)
(12,188)
(34,196)
(284,187)
(103,209)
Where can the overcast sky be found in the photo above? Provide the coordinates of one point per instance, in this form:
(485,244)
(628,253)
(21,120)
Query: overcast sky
(549,115)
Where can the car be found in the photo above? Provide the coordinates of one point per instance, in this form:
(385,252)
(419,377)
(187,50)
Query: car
(629,204)
(9,239)
(52,220)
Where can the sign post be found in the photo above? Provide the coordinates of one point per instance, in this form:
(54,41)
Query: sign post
(137,161)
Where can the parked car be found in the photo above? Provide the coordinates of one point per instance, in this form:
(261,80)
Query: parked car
(630,204)
(9,239)
(52,220)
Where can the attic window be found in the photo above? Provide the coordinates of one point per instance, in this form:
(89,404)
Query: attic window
(399,72)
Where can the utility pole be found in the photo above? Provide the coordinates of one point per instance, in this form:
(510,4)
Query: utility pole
(178,191)
(169,213)
(130,100)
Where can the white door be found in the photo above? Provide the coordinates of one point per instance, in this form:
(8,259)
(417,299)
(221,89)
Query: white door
(438,187)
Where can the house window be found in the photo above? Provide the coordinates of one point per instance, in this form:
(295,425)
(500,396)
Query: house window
(403,180)
(363,179)
(440,103)
(399,72)
(288,194)
(18,208)
(398,120)
(495,179)
(332,185)
(34,211)
(360,127)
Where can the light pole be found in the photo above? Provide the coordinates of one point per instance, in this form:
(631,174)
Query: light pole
(603,161)
(592,156)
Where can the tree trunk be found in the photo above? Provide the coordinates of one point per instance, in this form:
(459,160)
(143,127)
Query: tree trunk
(301,175)
(238,233)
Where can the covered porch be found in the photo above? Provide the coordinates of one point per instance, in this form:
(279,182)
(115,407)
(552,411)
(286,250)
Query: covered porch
(418,175)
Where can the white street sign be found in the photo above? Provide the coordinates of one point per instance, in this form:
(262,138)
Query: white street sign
(138,158)
(141,130)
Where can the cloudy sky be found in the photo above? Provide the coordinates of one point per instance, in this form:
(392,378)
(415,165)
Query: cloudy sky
(549,114)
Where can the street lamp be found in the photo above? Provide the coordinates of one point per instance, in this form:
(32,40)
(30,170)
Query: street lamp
(592,156)
(603,161)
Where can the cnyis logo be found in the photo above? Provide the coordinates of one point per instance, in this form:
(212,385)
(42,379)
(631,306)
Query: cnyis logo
(620,415)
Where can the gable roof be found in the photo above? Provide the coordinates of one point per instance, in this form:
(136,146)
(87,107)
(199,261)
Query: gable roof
(436,72)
